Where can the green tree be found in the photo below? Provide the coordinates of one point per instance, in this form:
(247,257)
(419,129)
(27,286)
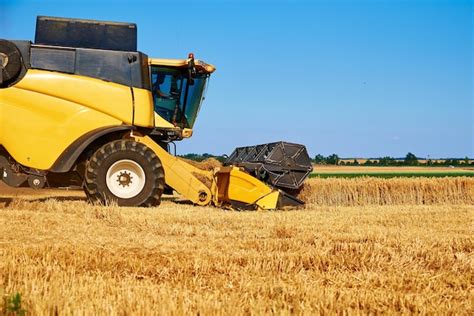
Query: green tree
(201,157)
(387,161)
(319,159)
(410,160)
(332,159)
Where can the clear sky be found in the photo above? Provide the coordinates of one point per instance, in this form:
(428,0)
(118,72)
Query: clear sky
(356,78)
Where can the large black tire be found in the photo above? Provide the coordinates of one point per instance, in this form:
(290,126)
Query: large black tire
(110,173)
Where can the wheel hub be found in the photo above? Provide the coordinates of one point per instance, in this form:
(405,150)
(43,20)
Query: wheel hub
(125,179)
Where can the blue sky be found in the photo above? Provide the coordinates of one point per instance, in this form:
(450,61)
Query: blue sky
(356,78)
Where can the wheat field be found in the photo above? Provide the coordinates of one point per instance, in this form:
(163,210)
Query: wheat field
(396,191)
(400,255)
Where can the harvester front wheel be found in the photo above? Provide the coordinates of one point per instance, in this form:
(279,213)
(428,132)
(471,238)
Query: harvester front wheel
(126,172)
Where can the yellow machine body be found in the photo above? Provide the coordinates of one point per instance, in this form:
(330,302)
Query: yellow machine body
(87,109)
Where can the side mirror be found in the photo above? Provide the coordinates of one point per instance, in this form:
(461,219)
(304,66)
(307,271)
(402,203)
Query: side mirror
(191,69)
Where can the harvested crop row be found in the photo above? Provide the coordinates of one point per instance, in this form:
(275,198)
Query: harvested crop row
(396,191)
(69,257)
(208,164)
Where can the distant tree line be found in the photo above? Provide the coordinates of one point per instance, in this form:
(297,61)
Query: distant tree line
(201,157)
(409,160)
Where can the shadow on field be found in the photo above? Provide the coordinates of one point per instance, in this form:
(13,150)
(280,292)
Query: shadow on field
(185,202)
(175,199)
(6,201)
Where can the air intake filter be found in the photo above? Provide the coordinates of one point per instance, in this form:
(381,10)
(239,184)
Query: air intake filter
(81,33)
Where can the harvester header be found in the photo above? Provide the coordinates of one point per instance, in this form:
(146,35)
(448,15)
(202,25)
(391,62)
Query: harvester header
(281,164)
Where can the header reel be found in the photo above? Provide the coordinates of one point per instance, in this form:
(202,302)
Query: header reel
(282,165)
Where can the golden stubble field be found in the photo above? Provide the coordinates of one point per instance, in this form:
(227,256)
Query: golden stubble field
(389,169)
(399,255)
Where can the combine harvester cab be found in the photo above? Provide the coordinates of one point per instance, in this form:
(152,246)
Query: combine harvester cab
(82,107)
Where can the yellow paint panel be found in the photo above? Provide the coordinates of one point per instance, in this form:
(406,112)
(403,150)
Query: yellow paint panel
(109,98)
(144,112)
(245,188)
(182,63)
(168,62)
(161,122)
(36,128)
(234,184)
(269,202)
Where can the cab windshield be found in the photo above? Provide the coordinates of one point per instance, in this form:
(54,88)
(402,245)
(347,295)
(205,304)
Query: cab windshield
(176,98)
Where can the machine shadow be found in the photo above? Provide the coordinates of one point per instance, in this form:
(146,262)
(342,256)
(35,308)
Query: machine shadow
(7,201)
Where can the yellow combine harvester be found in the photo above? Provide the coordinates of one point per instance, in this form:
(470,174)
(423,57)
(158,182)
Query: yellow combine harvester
(81,106)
